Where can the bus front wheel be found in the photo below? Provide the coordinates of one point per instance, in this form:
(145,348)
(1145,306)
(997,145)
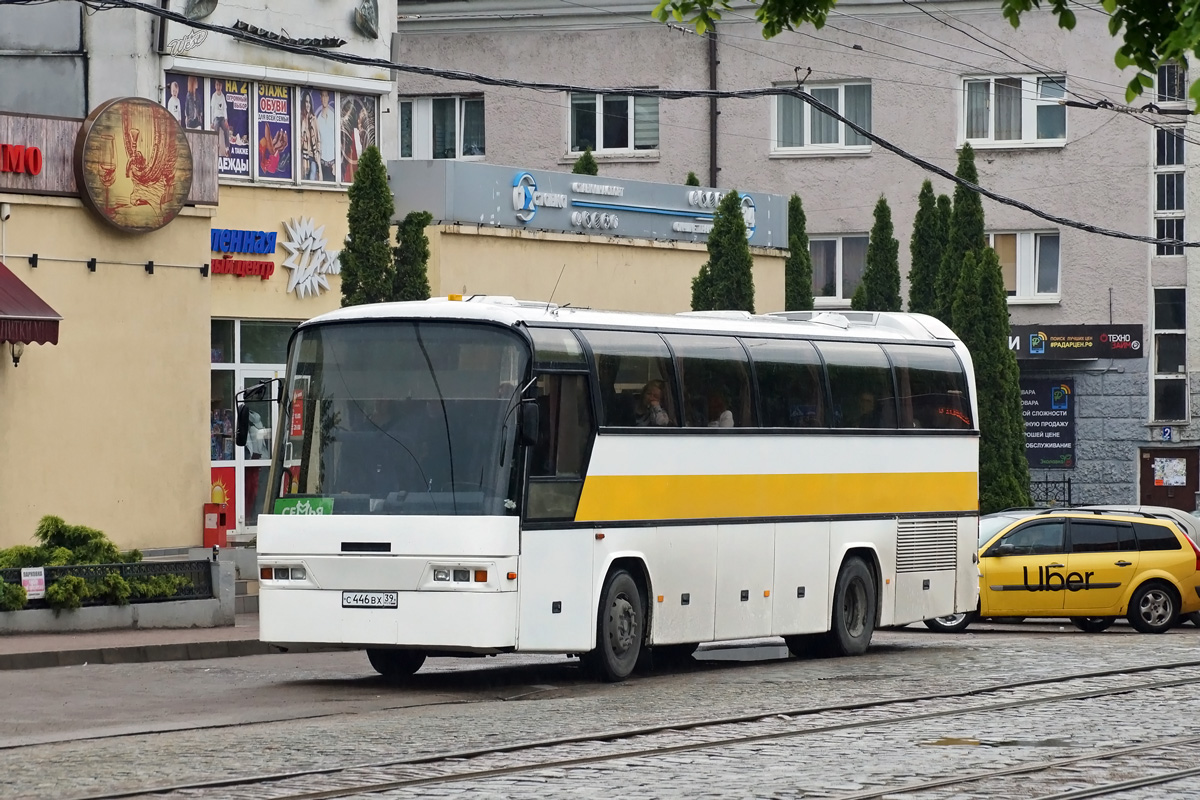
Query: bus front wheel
(620,628)
(854,611)
(395,665)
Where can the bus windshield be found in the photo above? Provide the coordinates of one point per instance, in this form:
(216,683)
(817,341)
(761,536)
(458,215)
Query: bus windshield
(400,417)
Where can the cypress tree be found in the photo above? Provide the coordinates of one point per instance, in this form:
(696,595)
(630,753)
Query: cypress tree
(1003,468)
(926,246)
(797,270)
(692,180)
(965,316)
(965,233)
(367,269)
(880,287)
(726,280)
(586,164)
(411,257)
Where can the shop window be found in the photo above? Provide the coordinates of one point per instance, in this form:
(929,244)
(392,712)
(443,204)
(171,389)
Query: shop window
(556,466)
(791,385)
(222,341)
(222,416)
(637,383)
(276,132)
(1170,355)
(265,342)
(714,380)
(931,387)
(860,384)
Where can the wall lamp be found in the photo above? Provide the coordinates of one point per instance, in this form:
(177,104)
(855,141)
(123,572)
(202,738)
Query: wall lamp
(17,349)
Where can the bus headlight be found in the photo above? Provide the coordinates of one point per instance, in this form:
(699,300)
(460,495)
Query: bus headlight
(441,574)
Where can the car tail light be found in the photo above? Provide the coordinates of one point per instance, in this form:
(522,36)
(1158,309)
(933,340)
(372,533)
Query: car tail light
(1195,549)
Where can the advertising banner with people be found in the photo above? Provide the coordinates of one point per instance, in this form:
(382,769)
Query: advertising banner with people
(229,116)
(274,131)
(184,96)
(358,131)
(318,135)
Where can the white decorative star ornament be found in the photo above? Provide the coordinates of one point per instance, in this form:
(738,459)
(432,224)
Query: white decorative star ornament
(308,259)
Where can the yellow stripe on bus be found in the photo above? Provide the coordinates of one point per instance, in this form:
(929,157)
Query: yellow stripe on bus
(612,498)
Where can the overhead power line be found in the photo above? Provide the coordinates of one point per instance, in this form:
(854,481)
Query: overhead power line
(796,92)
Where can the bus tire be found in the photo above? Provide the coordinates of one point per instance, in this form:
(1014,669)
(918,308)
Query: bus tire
(620,628)
(395,665)
(854,611)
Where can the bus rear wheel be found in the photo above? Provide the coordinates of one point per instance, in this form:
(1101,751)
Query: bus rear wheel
(395,665)
(620,628)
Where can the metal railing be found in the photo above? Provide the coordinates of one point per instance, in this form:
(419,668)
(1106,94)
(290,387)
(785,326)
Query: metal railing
(1050,492)
(198,575)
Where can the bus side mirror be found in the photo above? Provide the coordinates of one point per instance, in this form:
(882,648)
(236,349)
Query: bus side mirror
(243,425)
(530,423)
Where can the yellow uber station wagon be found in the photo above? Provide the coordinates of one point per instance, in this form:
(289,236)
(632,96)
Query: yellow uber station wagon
(1091,566)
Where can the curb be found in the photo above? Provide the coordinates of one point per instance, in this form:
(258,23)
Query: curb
(143,654)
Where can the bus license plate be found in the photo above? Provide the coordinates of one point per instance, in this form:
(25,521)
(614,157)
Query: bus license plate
(370,600)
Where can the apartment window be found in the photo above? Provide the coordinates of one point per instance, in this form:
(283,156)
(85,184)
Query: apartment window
(442,127)
(1171,84)
(800,128)
(613,123)
(1170,355)
(838,266)
(1029,262)
(1014,111)
(1168,189)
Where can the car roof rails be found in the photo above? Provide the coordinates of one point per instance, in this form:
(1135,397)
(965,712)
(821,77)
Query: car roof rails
(1099,511)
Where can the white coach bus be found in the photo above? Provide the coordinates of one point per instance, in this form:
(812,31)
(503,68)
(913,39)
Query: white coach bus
(483,476)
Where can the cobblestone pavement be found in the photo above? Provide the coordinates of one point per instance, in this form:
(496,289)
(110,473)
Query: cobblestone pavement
(556,702)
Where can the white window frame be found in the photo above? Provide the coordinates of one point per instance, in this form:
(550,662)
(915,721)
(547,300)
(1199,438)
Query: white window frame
(837,301)
(1155,375)
(1030,102)
(1027,266)
(600,149)
(1179,170)
(809,149)
(1164,71)
(422,126)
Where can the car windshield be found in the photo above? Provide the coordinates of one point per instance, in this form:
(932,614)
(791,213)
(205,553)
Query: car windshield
(393,417)
(991,524)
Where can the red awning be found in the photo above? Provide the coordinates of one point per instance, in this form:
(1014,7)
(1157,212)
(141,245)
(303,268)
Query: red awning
(24,317)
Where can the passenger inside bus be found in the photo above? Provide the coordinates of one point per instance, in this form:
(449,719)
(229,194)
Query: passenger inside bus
(719,415)
(650,411)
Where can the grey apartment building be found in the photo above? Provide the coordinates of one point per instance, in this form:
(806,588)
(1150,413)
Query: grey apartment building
(1100,324)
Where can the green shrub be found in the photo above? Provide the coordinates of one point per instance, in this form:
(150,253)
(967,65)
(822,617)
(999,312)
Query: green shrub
(21,555)
(12,596)
(159,586)
(586,164)
(60,545)
(113,588)
(67,592)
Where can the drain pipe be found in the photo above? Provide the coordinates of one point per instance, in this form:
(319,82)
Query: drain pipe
(712,107)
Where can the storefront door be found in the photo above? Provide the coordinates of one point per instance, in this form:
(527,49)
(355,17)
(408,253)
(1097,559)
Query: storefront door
(254,460)
(1169,477)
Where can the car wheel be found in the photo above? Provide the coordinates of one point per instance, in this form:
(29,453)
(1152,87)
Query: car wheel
(395,665)
(951,623)
(1093,624)
(620,626)
(1153,608)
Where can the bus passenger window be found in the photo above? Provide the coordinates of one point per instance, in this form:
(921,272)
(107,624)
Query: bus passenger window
(860,382)
(714,376)
(791,387)
(932,387)
(630,366)
(557,463)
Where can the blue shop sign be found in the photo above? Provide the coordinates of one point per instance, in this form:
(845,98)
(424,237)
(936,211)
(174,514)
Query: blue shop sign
(225,240)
